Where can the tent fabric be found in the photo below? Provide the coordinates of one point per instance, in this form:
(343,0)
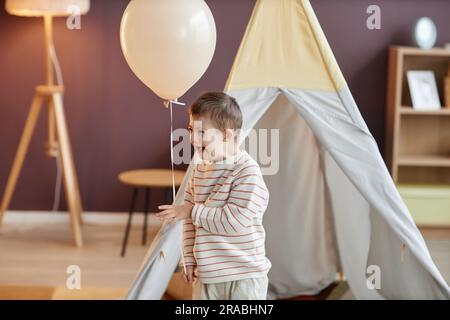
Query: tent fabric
(378,210)
(333,205)
(159,265)
(282,38)
(298,219)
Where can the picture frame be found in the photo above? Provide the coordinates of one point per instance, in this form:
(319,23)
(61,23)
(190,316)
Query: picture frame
(423,90)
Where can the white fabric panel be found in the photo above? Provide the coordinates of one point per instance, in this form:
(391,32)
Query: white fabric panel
(352,227)
(159,265)
(300,235)
(405,278)
(344,135)
(254,103)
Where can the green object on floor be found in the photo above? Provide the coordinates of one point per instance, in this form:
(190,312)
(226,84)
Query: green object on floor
(339,291)
(429,204)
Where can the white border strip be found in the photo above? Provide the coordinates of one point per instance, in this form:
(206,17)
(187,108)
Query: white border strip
(105,218)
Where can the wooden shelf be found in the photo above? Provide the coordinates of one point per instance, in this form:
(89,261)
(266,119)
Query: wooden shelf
(417,144)
(424,161)
(435,52)
(411,111)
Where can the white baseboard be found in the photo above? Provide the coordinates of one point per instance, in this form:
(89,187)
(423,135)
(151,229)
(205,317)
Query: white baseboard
(107,218)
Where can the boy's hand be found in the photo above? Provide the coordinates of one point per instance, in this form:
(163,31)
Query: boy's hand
(191,275)
(174,212)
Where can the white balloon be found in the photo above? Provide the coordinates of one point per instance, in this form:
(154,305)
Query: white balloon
(168,44)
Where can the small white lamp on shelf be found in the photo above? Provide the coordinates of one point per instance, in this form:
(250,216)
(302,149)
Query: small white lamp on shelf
(58,138)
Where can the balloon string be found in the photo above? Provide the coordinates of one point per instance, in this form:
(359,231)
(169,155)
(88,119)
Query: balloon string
(171,151)
(170,102)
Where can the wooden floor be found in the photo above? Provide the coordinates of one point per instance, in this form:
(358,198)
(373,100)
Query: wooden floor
(35,253)
(36,249)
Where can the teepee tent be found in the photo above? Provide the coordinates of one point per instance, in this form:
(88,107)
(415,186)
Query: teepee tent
(333,205)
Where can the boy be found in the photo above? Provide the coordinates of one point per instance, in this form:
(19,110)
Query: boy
(225,199)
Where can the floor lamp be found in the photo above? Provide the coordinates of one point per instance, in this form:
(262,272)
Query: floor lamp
(58,139)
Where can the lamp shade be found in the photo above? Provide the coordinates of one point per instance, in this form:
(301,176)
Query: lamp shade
(37,8)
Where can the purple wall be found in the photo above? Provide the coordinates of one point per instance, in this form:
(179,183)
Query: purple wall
(117,124)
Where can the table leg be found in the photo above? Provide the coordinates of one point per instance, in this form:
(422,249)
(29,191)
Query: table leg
(130,214)
(146,201)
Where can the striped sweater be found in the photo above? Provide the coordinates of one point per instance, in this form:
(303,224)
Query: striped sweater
(225,237)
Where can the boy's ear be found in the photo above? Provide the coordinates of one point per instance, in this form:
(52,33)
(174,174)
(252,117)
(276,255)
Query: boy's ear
(228,134)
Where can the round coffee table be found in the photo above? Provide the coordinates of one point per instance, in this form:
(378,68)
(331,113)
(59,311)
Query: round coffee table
(146,179)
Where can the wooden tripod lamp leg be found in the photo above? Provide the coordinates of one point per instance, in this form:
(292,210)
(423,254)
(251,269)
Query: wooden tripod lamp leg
(70,178)
(27,133)
(53,149)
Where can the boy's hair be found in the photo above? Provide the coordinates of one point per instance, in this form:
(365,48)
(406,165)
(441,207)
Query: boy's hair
(221,108)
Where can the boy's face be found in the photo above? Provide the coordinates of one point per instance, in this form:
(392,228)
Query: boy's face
(208,141)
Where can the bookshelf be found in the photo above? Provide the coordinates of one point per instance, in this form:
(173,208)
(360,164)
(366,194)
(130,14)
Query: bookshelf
(417,144)
(416,138)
